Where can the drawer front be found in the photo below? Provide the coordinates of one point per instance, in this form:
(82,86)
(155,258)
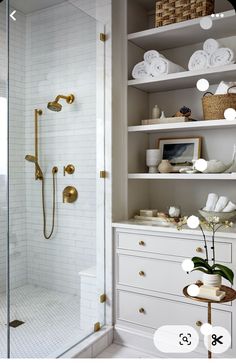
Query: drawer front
(171,246)
(152,274)
(155,312)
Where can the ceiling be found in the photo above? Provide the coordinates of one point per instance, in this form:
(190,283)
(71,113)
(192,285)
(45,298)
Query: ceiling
(28,6)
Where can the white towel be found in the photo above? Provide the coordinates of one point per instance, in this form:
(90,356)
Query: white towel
(223,87)
(140,71)
(221,57)
(221,204)
(151,55)
(211,45)
(231,207)
(198,61)
(211,202)
(162,66)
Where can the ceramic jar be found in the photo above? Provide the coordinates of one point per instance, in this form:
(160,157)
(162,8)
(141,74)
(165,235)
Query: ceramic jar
(212,280)
(165,167)
(153,159)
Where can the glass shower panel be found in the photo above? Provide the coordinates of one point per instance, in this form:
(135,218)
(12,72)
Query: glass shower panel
(3,178)
(56,121)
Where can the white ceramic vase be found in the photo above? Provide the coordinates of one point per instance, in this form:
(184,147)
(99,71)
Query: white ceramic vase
(153,159)
(212,280)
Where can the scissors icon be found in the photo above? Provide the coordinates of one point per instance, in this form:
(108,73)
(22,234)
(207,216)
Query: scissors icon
(216,339)
(185,339)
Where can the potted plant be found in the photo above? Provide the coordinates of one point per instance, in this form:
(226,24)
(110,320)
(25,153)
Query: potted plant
(212,272)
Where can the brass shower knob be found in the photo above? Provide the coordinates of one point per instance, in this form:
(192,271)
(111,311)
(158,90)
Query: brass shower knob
(69,169)
(70,194)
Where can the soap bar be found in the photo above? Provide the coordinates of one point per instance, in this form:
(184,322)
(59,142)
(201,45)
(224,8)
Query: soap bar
(220,295)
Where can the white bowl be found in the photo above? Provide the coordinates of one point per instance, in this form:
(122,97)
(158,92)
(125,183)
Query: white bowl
(223,216)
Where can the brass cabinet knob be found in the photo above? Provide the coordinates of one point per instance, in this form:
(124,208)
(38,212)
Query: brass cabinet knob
(199,249)
(141,243)
(199,323)
(141,311)
(141,273)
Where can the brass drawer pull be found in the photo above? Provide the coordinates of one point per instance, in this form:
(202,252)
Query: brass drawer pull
(141,273)
(141,311)
(141,243)
(199,282)
(199,323)
(199,250)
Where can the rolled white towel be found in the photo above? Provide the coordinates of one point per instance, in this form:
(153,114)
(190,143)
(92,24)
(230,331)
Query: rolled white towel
(140,71)
(150,55)
(198,61)
(221,57)
(211,202)
(162,66)
(231,207)
(221,204)
(211,45)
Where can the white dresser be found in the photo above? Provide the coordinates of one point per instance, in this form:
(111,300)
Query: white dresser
(149,281)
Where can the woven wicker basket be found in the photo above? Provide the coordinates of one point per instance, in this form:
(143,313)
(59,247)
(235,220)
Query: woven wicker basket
(175,11)
(214,106)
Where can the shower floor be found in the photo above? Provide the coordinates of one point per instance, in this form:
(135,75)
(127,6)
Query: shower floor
(51,322)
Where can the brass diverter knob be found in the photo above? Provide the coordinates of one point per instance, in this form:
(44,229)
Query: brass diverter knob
(141,273)
(70,194)
(198,323)
(199,250)
(69,169)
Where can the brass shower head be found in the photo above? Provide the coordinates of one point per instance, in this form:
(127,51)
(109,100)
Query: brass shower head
(56,106)
(32,159)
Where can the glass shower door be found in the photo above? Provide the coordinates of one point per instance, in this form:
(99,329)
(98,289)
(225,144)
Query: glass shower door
(3,179)
(56,153)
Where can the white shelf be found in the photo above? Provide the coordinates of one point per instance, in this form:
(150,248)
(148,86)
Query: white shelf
(178,176)
(182,80)
(184,33)
(181,126)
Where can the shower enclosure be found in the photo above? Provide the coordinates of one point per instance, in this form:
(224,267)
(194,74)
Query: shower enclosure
(51,279)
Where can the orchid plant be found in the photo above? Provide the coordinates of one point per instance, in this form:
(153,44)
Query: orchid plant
(207,265)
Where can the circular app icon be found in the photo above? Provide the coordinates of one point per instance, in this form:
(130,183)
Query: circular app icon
(219,341)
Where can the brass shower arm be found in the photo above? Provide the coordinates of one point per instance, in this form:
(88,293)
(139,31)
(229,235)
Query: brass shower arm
(69,99)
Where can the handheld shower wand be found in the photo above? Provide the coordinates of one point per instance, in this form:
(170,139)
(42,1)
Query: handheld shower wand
(32,159)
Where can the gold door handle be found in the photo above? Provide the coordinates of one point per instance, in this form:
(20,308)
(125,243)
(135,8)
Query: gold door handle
(141,311)
(141,273)
(199,249)
(141,243)
(198,323)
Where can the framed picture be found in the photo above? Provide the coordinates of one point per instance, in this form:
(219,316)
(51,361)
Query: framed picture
(182,151)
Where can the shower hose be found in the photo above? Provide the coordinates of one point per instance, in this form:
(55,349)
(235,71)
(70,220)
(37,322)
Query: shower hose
(48,236)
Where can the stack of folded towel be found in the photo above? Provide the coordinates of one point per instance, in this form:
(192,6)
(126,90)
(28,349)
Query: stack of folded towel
(155,65)
(218,204)
(212,55)
(211,293)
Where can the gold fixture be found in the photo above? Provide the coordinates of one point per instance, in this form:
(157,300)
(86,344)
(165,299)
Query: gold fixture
(39,176)
(141,243)
(103,37)
(37,112)
(69,169)
(141,311)
(96,327)
(198,323)
(199,250)
(103,174)
(141,273)
(70,194)
(103,298)
(56,106)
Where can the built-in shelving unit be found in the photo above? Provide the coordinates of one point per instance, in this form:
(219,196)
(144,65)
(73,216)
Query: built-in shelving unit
(183,126)
(184,80)
(179,176)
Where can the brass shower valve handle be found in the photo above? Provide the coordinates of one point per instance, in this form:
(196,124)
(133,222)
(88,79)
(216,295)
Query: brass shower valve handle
(70,194)
(69,169)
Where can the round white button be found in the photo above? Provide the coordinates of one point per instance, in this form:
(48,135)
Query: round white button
(219,341)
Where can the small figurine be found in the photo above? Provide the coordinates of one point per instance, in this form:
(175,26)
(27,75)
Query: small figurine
(184,112)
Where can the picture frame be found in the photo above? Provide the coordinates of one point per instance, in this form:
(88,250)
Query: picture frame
(180,151)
